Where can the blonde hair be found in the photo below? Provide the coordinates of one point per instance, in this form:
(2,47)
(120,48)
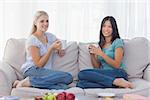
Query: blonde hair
(36,17)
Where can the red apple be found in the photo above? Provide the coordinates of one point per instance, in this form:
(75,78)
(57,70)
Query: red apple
(61,96)
(70,96)
(38,98)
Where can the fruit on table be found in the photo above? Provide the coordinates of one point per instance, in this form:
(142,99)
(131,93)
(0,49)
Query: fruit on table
(38,98)
(49,96)
(65,96)
(61,96)
(70,96)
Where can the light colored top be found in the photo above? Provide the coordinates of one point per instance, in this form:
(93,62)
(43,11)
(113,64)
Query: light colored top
(110,51)
(34,41)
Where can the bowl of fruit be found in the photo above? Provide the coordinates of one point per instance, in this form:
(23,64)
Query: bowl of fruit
(56,96)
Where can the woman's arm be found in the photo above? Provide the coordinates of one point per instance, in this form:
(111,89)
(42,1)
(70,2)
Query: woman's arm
(117,59)
(40,61)
(94,61)
(113,62)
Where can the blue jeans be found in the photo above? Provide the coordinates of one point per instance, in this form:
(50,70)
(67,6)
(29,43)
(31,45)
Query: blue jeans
(48,79)
(99,78)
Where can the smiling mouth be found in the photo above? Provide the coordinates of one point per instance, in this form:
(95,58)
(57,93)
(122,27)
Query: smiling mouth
(45,27)
(107,33)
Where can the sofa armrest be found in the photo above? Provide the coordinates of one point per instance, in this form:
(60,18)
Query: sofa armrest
(7,77)
(146,75)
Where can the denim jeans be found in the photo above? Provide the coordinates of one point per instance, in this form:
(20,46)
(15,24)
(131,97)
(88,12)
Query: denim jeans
(48,79)
(99,78)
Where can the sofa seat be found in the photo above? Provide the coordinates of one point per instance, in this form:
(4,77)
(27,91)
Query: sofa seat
(142,87)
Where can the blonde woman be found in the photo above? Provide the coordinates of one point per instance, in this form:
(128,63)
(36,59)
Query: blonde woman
(40,49)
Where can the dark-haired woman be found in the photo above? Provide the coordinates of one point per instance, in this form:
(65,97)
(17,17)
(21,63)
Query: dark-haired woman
(109,70)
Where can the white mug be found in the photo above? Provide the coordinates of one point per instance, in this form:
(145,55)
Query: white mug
(94,44)
(63,44)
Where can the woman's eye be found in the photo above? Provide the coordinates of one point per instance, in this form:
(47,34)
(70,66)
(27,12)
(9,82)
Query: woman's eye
(46,20)
(109,26)
(42,21)
(104,25)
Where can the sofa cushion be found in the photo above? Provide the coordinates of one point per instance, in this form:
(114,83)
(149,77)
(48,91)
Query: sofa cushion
(14,54)
(69,62)
(7,77)
(84,56)
(136,56)
(142,87)
(146,75)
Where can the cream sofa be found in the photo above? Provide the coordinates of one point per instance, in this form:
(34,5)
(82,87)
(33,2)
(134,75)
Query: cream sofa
(136,58)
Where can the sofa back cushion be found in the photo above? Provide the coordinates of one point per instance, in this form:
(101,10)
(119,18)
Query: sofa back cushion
(14,55)
(84,56)
(136,56)
(69,62)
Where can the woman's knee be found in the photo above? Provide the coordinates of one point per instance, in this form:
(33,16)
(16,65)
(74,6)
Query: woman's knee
(82,74)
(123,74)
(69,78)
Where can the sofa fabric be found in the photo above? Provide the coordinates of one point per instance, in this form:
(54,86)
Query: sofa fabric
(136,56)
(69,62)
(84,57)
(136,59)
(142,87)
(146,72)
(7,77)
(14,54)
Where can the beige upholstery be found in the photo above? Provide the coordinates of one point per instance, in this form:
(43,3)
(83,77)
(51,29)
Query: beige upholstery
(14,54)
(141,87)
(136,58)
(7,77)
(84,57)
(146,75)
(68,63)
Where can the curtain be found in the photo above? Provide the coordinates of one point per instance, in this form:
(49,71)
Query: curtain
(74,20)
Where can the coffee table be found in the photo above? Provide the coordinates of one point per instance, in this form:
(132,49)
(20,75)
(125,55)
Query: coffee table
(84,97)
(94,97)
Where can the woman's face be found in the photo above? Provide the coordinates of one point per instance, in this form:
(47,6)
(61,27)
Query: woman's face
(107,29)
(42,23)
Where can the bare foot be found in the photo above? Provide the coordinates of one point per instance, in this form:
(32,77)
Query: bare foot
(123,83)
(15,83)
(23,83)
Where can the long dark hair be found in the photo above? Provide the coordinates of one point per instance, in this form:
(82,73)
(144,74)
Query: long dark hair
(115,33)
